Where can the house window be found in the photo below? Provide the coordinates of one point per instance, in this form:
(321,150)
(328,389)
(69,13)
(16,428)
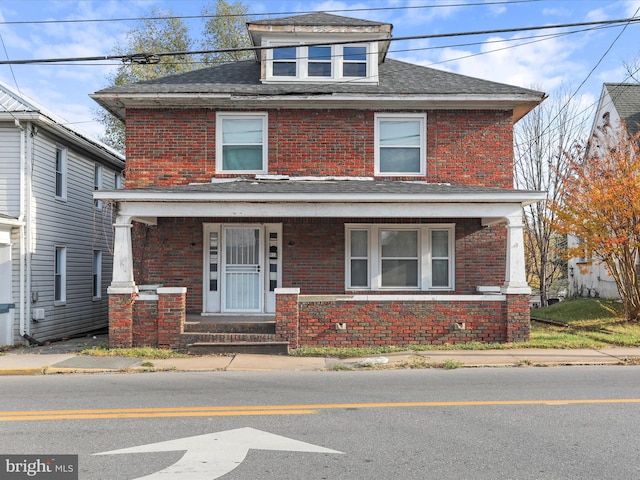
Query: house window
(399,257)
(241,143)
(354,62)
(284,62)
(321,63)
(61,173)
(359,259)
(97,274)
(119,181)
(60,275)
(97,184)
(400,144)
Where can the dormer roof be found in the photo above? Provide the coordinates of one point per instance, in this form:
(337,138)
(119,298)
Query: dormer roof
(320,23)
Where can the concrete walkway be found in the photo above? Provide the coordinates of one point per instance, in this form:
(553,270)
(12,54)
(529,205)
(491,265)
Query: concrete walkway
(64,357)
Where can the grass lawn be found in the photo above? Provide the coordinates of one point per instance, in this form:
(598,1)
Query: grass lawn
(591,323)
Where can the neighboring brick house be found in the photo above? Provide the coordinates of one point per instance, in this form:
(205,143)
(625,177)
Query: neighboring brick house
(343,197)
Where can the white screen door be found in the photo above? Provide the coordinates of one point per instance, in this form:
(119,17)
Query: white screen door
(242,269)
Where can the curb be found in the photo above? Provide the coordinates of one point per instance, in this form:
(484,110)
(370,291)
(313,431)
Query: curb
(23,371)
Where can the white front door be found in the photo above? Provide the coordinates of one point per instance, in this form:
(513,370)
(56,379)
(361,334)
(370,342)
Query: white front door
(242,269)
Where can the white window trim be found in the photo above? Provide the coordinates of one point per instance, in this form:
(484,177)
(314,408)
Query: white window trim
(118,181)
(63,174)
(220,117)
(63,274)
(98,174)
(375,258)
(422,118)
(97,272)
(302,63)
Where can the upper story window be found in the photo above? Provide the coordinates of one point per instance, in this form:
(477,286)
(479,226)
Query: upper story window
(321,63)
(400,144)
(354,62)
(119,181)
(241,142)
(61,173)
(284,62)
(97,184)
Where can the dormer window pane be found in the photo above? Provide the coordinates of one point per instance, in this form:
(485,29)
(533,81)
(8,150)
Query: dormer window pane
(354,62)
(319,61)
(284,62)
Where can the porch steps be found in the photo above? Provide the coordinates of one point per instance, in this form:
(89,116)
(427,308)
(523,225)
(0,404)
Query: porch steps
(219,336)
(265,348)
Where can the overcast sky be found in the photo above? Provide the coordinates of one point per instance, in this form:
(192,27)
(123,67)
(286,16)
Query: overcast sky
(548,60)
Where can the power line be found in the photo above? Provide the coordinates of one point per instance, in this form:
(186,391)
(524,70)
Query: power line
(148,57)
(548,127)
(272,14)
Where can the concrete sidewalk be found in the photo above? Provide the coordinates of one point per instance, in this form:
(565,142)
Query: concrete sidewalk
(65,358)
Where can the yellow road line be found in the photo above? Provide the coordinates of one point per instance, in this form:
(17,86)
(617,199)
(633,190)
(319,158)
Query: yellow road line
(90,416)
(236,410)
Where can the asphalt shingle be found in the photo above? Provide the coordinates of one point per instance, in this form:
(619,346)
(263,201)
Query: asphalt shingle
(626,99)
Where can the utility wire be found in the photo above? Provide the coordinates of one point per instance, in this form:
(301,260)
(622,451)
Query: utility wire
(272,14)
(566,104)
(144,57)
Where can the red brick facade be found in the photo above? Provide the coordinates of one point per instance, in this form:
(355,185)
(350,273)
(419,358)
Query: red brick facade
(401,323)
(169,147)
(172,147)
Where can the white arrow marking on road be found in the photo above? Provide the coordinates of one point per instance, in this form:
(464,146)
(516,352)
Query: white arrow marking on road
(210,456)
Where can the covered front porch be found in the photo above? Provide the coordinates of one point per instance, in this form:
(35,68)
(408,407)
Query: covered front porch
(306,302)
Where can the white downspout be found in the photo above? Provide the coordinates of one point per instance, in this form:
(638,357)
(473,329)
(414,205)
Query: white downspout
(30,132)
(21,218)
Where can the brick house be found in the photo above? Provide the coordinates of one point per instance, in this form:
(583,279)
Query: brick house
(322,191)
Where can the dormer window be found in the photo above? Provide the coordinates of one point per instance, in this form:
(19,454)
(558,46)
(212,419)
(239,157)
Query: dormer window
(321,63)
(284,62)
(354,62)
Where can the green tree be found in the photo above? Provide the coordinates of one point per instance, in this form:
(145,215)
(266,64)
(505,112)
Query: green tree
(164,33)
(225,30)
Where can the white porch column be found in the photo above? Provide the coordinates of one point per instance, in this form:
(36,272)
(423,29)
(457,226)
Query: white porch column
(122,280)
(515,275)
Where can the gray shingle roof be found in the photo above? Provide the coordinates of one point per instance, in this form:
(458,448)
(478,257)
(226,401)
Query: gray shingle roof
(396,78)
(626,99)
(318,19)
(243,186)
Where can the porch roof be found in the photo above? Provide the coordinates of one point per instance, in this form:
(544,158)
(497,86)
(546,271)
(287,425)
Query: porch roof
(320,197)
(269,188)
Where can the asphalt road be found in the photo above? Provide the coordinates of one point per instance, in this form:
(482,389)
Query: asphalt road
(488,423)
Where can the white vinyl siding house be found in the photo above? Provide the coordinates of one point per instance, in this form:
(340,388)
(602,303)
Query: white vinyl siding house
(51,216)
(619,102)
